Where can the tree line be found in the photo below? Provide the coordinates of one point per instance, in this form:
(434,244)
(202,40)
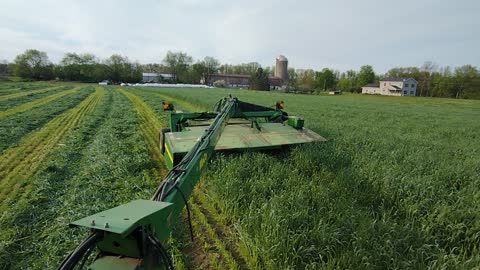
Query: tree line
(433,81)
(35,65)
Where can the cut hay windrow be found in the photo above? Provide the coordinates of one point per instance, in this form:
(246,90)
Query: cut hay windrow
(12,88)
(33,92)
(150,125)
(19,163)
(220,248)
(36,103)
(110,168)
(14,127)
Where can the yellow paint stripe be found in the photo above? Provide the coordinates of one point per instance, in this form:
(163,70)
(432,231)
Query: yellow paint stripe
(168,152)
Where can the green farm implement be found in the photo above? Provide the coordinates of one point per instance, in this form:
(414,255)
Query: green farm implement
(132,236)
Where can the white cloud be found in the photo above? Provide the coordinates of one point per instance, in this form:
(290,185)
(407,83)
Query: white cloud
(312,34)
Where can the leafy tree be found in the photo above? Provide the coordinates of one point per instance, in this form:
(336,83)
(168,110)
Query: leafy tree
(404,72)
(466,81)
(292,78)
(177,64)
(345,84)
(77,67)
(426,78)
(325,79)
(116,64)
(154,67)
(33,64)
(442,83)
(245,68)
(306,80)
(100,72)
(3,67)
(365,76)
(194,74)
(259,81)
(209,66)
(120,69)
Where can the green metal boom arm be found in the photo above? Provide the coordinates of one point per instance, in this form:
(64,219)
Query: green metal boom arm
(129,236)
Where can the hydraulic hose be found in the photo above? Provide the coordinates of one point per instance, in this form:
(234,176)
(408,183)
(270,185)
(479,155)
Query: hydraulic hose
(75,256)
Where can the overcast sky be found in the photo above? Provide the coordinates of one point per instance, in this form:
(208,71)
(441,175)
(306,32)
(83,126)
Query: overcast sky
(341,34)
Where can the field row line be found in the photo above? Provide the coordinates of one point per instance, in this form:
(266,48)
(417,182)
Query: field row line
(231,250)
(20,163)
(206,220)
(41,101)
(150,125)
(26,93)
(181,102)
(213,249)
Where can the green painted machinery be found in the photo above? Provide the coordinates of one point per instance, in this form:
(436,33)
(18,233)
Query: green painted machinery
(131,236)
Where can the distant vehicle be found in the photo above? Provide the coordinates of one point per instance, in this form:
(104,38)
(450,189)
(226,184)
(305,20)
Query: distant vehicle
(337,92)
(104,83)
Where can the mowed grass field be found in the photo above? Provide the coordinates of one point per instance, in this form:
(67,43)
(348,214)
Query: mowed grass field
(397,184)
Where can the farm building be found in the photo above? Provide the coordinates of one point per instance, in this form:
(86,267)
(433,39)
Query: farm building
(155,77)
(241,80)
(392,87)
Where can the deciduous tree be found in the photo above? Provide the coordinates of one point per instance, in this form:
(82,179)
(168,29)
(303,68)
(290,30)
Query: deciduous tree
(177,63)
(365,76)
(33,64)
(259,80)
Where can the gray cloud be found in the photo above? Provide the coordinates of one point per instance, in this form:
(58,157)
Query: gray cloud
(312,34)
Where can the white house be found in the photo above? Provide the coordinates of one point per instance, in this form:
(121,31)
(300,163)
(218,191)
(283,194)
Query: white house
(392,87)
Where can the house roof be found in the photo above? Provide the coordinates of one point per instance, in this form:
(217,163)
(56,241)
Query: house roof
(274,81)
(372,85)
(149,74)
(399,79)
(396,87)
(153,74)
(231,75)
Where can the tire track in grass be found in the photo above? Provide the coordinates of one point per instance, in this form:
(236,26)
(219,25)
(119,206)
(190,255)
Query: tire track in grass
(31,92)
(234,250)
(214,246)
(36,103)
(19,163)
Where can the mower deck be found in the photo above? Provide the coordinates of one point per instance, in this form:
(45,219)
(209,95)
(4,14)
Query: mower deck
(238,136)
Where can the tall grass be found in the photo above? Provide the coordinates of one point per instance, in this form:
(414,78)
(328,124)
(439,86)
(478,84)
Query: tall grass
(396,185)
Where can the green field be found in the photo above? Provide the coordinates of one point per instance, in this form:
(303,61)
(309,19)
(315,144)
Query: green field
(397,184)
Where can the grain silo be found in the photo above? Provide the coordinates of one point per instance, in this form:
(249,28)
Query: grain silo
(281,68)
